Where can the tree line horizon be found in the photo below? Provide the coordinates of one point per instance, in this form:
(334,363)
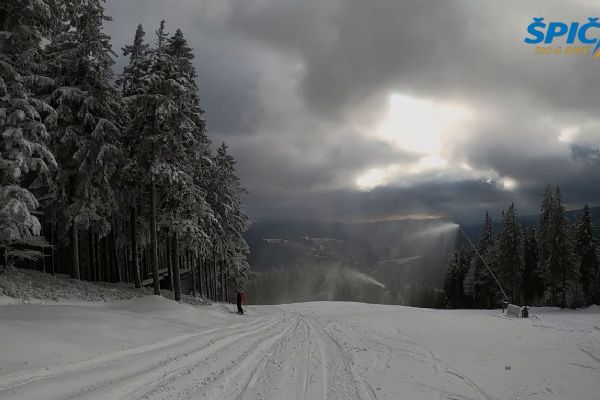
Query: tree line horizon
(552,263)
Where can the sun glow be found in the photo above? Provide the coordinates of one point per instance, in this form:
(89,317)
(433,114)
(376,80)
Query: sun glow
(508,183)
(421,127)
(372,178)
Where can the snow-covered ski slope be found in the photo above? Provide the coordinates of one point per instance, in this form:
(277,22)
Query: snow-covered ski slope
(152,348)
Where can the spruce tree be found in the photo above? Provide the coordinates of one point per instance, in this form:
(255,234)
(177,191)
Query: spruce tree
(133,174)
(139,63)
(558,262)
(89,122)
(546,241)
(533,286)
(26,163)
(168,137)
(586,247)
(565,253)
(225,198)
(511,255)
(479,282)
(454,278)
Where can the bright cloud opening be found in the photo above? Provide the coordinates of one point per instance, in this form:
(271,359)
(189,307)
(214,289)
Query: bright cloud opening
(421,126)
(567,135)
(372,178)
(418,126)
(508,183)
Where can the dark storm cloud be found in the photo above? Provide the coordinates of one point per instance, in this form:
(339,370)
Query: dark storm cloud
(290,83)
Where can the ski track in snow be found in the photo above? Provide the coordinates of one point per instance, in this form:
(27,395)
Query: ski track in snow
(294,352)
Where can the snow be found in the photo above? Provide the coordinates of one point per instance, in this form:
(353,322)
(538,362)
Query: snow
(22,285)
(153,348)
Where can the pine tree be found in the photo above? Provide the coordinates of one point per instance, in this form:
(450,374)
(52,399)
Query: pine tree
(133,174)
(225,199)
(169,141)
(454,279)
(139,63)
(533,286)
(479,282)
(565,252)
(546,233)
(586,247)
(511,255)
(90,117)
(26,164)
(558,262)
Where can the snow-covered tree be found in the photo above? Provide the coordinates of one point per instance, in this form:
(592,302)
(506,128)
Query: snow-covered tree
(133,174)
(510,262)
(89,121)
(586,247)
(558,262)
(168,142)
(139,63)
(479,282)
(532,286)
(455,276)
(26,163)
(225,198)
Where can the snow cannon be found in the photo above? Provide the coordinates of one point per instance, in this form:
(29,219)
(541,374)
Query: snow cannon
(515,311)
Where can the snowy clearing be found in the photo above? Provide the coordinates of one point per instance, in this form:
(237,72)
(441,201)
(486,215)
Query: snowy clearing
(153,348)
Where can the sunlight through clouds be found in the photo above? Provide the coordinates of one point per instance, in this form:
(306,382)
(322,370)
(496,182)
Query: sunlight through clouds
(422,126)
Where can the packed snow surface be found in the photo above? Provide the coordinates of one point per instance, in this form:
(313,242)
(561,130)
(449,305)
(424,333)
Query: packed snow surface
(153,348)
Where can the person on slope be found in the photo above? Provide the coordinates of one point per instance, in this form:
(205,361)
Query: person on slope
(240,299)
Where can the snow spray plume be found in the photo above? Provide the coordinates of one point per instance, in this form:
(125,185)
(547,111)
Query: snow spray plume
(436,230)
(359,276)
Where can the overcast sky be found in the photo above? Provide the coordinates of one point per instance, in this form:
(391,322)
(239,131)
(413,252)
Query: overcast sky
(354,109)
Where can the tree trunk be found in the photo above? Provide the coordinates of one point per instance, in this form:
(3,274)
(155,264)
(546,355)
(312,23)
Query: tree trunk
(117,267)
(74,252)
(74,234)
(82,269)
(135,270)
(126,263)
(564,288)
(169,262)
(144,265)
(222,281)
(215,280)
(52,250)
(153,244)
(199,268)
(206,281)
(95,256)
(176,275)
(226,284)
(43,223)
(193,272)
(211,279)
(107,260)
(92,268)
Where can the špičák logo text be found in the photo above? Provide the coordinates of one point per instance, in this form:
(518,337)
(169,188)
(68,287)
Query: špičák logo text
(561,38)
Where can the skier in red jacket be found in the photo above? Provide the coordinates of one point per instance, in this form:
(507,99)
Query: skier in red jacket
(240,299)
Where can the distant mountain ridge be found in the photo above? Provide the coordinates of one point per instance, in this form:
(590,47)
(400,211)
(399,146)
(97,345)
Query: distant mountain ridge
(278,244)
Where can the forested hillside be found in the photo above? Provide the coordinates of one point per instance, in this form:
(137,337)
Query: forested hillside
(111,178)
(552,261)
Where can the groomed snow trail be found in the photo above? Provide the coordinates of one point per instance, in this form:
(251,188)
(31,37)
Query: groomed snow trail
(308,351)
